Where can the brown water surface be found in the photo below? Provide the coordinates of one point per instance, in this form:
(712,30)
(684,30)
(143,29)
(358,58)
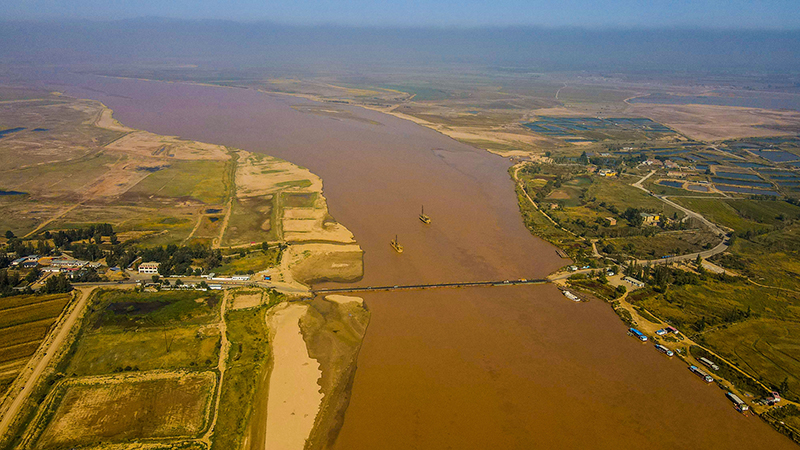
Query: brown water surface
(476,368)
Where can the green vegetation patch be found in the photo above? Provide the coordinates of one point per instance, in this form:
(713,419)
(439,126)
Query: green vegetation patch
(253,219)
(129,309)
(200,180)
(299,199)
(743,215)
(248,366)
(766,348)
(252,261)
(145,349)
(660,245)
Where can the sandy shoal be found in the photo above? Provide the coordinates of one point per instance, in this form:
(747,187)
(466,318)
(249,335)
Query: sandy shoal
(343,299)
(294,395)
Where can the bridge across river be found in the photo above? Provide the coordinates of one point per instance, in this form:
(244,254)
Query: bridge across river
(347,290)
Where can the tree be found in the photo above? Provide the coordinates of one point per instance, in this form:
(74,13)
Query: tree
(699,261)
(10,234)
(56,285)
(784,387)
(33,275)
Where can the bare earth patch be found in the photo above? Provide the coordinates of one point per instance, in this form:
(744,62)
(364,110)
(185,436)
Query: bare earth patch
(294,395)
(707,122)
(344,299)
(245,300)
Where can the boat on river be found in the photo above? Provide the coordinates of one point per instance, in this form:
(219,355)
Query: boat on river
(396,245)
(423,217)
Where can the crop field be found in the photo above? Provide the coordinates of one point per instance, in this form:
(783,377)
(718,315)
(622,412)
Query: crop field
(753,326)
(24,322)
(127,331)
(159,406)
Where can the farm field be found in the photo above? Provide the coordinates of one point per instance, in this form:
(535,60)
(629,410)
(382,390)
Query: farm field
(158,405)
(166,330)
(24,322)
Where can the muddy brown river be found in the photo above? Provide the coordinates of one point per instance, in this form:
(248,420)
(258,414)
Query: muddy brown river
(472,368)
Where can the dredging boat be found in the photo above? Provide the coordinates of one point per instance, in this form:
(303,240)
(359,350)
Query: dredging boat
(396,245)
(423,217)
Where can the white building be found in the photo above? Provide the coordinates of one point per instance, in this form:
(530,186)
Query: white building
(149,267)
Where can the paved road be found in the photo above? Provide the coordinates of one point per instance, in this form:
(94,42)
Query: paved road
(50,350)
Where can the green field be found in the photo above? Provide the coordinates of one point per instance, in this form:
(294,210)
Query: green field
(253,261)
(664,244)
(143,331)
(753,326)
(253,219)
(130,310)
(171,347)
(743,215)
(200,180)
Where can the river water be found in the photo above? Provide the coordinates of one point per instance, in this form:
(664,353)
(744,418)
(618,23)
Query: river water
(473,368)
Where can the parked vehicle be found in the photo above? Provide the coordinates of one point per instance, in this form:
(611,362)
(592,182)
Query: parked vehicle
(638,334)
(664,350)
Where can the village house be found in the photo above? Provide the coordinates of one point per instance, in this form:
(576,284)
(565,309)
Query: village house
(650,218)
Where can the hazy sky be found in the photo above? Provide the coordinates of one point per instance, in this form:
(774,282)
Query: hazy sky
(771,14)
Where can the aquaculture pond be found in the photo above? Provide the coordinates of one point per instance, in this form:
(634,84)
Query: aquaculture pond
(741,182)
(738,176)
(744,190)
(675,184)
(777,156)
(749,165)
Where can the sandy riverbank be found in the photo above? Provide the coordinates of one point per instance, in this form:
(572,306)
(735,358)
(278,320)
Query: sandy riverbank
(294,395)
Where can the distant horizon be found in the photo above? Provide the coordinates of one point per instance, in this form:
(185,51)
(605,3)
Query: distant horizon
(592,14)
(227,44)
(402,27)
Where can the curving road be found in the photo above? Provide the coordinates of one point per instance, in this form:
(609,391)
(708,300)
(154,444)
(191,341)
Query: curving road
(721,247)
